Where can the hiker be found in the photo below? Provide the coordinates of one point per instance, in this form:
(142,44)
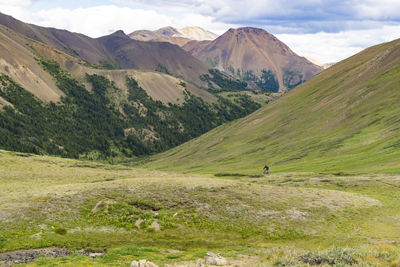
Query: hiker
(266,169)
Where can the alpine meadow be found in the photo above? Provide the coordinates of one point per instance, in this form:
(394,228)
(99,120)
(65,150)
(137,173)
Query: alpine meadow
(129,137)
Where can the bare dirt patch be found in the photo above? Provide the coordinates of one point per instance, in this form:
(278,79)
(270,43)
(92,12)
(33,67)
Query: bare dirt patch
(29,255)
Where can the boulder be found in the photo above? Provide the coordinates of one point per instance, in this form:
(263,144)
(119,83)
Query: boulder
(200,263)
(215,259)
(150,264)
(95,254)
(143,263)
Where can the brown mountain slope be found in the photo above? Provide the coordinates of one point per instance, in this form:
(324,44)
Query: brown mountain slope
(151,55)
(250,49)
(17,60)
(116,50)
(194,47)
(74,44)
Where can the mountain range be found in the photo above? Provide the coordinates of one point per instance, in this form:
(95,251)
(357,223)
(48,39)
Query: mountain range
(68,94)
(114,51)
(255,56)
(250,54)
(155,94)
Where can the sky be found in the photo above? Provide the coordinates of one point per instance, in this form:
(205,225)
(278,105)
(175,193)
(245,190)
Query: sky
(325,30)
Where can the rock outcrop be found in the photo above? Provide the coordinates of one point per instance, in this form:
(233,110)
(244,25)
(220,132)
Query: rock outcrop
(143,263)
(212,259)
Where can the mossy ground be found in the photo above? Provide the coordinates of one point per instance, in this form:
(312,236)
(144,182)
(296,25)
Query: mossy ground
(130,213)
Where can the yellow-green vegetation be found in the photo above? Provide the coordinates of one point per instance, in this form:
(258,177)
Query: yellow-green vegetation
(168,218)
(344,120)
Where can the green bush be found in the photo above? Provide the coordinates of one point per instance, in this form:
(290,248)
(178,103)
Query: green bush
(60,231)
(3,241)
(334,256)
(173,256)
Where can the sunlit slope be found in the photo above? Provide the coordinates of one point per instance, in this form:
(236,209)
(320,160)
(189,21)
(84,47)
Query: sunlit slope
(345,119)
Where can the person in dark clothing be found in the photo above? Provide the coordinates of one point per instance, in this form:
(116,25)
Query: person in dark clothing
(266,169)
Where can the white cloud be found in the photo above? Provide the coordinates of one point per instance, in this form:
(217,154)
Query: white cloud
(102,20)
(20,3)
(217,8)
(301,15)
(333,47)
(206,22)
(382,9)
(14,7)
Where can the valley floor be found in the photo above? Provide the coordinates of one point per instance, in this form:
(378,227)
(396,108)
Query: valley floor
(285,219)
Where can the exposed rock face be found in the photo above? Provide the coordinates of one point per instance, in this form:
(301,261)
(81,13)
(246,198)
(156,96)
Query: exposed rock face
(212,259)
(197,33)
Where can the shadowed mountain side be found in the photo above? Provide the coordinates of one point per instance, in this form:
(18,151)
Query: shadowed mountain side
(17,59)
(346,119)
(151,55)
(116,50)
(74,44)
(194,47)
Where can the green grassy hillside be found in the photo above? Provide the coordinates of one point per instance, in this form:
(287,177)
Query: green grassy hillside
(344,120)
